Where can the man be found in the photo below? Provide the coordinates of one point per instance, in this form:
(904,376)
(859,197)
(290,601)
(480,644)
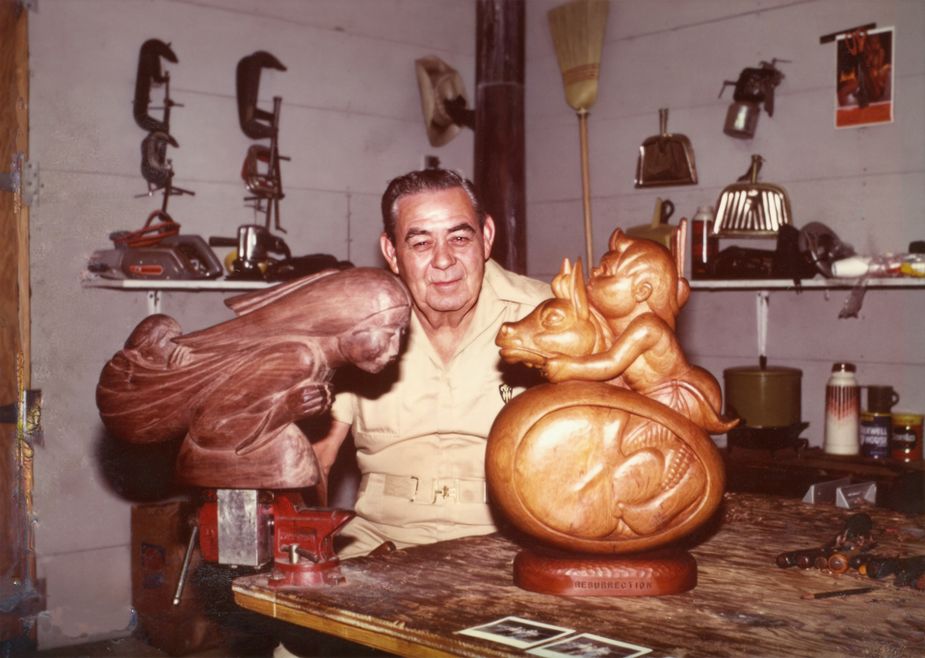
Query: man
(420,437)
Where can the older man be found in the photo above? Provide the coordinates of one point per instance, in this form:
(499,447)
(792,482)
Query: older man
(420,437)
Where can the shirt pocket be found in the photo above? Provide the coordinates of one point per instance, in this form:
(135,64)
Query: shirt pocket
(377,420)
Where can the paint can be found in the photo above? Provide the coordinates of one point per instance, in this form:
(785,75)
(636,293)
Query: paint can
(906,441)
(874,433)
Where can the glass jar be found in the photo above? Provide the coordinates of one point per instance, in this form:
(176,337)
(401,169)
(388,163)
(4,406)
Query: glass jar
(906,438)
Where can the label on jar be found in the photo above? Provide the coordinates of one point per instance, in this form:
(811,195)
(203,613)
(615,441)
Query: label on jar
(874,433)
(906,442)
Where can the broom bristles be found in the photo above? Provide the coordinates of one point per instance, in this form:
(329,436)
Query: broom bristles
(578,36)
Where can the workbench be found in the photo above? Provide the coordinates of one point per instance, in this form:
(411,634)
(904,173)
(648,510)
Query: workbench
(414,602)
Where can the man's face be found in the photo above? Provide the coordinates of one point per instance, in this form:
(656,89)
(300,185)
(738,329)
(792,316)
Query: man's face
(439,251)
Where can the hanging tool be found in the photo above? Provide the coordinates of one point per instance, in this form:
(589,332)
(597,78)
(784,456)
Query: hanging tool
(754,87)
(151,73)
(666,158)
(578,36)
(261,170)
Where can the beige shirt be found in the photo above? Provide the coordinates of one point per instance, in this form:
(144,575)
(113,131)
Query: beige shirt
(421,443)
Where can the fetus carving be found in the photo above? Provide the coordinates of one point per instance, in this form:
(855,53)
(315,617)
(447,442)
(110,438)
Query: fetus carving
(234,391)
(613,456)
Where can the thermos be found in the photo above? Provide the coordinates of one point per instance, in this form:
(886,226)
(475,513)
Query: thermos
(842,410)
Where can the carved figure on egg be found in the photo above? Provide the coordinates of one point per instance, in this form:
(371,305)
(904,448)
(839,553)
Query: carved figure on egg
(637,290)
(613,456)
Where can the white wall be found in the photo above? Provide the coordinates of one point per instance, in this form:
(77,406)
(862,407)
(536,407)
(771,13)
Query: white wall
(867,184)
(350,121)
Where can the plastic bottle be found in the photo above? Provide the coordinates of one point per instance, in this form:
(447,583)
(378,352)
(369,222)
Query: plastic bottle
(704,245)
(842,411)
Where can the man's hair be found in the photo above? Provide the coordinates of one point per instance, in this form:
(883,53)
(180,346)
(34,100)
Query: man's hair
(425,180)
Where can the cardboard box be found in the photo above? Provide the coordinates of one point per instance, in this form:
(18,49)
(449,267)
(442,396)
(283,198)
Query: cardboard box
(160,534)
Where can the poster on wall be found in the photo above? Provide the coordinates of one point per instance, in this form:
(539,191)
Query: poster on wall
(864,78)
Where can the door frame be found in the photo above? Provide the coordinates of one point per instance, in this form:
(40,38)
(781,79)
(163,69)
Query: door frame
(18,583)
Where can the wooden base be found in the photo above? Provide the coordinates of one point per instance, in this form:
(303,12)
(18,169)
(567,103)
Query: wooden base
(644,574)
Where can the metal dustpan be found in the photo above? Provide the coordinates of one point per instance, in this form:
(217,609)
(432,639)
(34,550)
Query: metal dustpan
(665,159)
(751,209)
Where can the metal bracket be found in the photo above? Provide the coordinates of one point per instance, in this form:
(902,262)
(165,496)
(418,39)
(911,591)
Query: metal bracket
(154,302)
(22,179)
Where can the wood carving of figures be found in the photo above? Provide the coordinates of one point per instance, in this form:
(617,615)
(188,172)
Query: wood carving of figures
(614,455)
(234,391)
(638,291)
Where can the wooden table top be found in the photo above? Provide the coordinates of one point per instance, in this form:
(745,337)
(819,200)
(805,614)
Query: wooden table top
(413,602)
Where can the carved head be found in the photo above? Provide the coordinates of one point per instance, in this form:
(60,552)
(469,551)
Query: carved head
(376,341)
(637,275)
(565,324)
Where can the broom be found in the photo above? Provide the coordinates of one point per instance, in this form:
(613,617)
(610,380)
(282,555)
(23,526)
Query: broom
(578,36)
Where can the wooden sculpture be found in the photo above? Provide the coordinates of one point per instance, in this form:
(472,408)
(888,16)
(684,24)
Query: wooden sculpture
(233,391)
(613,458)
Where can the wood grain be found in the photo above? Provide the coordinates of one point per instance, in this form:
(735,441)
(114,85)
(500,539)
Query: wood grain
(16,543)
(414,601)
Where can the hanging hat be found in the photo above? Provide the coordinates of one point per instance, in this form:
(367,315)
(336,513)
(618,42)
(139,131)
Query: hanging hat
(438,83)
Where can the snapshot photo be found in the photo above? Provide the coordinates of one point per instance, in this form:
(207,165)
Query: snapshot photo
(518,632)
(588,645)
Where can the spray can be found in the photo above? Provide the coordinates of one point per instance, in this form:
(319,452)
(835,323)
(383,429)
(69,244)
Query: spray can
(842,410)
(704,245)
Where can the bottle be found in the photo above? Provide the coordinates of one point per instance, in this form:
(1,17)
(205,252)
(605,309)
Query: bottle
(842,410)
(704,245)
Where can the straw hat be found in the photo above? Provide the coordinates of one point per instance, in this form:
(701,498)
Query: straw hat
(438,82)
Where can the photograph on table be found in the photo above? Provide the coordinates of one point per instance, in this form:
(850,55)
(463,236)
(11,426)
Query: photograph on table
(588,645)
(517,632)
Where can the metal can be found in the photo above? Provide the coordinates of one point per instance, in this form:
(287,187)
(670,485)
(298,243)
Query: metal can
(906,442)
(874,433)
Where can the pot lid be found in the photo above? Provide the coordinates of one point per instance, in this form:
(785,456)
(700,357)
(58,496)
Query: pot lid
(769,371)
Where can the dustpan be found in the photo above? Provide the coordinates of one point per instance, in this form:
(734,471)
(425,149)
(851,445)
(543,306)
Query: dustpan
(666,158)
(751,209)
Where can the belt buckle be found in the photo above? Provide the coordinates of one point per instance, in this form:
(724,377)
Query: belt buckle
(445,488)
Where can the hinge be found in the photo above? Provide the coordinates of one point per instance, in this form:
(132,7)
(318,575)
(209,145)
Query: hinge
(22,179)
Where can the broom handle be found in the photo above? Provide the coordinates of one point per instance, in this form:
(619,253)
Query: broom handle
(586,185)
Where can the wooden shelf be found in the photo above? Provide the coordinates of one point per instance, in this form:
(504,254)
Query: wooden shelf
(174,284)
(818,283)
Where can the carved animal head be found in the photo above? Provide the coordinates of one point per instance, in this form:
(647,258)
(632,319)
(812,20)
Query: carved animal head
(565,324)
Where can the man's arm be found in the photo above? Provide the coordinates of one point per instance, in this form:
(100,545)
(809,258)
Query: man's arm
(326,449)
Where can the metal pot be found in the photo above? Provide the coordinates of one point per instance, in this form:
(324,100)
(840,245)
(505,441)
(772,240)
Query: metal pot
(763,397)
